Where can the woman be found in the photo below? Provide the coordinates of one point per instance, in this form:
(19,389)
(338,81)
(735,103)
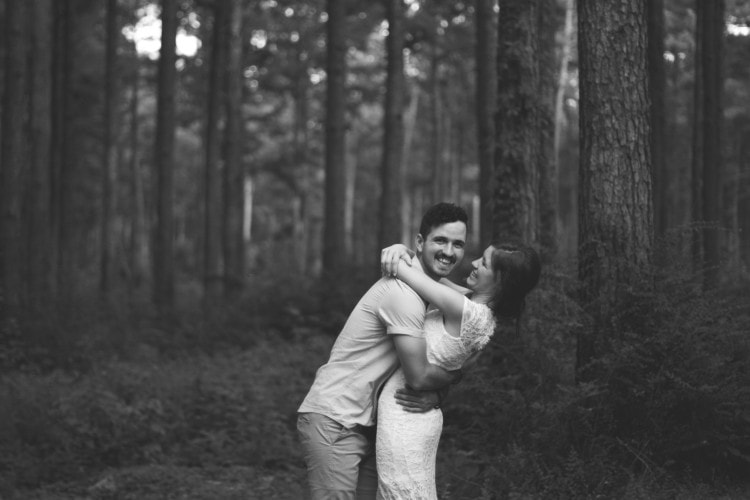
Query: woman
(456,326)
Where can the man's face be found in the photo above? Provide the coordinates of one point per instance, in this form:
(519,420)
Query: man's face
(442,249)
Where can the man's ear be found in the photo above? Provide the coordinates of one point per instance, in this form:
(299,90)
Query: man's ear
(419,243)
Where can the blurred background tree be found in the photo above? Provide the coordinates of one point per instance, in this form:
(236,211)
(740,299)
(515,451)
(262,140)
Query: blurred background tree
(260,192)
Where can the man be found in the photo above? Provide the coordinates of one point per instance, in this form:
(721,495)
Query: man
(336,421)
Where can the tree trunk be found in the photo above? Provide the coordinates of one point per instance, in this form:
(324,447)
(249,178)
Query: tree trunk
(548,178)
(139,240)
(392,176)
(335,140)
(212,253)
(435,166)
(711,16)
(39,234)
(730,214)
(352,155)
(562,81)
(61,163)
(410,123)
(517,123)
(696,166)
(657,84)
(486,21)
(615,217)
(164,159)
(234,250)
(14,157)
(567,186)
(743,201)
(110,150)
(301,139)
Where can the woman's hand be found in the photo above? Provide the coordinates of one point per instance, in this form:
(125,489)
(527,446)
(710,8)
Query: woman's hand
(390,257)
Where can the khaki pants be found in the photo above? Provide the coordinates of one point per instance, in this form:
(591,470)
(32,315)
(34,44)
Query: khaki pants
(340,461)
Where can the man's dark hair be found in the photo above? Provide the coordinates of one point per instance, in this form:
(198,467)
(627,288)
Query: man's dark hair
(442,213)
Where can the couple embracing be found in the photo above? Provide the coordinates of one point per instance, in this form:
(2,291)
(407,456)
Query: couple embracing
(371,422)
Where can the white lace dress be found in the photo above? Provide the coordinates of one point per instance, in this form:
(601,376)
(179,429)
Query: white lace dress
(407,443)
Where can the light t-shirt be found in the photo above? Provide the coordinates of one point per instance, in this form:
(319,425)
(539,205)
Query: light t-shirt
(364,356)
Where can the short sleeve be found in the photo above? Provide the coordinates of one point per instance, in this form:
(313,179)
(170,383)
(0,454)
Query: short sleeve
(477,325)
(402,310)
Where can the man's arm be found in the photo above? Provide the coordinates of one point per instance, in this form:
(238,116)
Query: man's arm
(419,373)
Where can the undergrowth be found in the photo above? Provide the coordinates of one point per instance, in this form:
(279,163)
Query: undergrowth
(664,411)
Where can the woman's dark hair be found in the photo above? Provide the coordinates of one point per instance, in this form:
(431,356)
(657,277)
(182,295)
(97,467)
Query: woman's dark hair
(519,267)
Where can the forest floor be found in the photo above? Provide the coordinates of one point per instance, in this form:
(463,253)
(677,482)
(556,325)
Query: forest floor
(159,482)
(241,386)
(202,410)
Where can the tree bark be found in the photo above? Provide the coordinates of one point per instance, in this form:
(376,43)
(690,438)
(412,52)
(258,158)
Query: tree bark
(139,238)
(410,124)
(696,165)
(486,21)
(657,84)
(517,123)
(39,230)
(392,176)
(615,214)
(164,159)
(743,201)
(14,157)
(234,250)
(435,166)
(730,214)
(62,164)
(335,152)
(301,139)
(712,20)
(110,150)
(548,178)
(212,246)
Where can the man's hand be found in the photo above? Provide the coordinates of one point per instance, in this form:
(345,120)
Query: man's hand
(390,257)
(416,401)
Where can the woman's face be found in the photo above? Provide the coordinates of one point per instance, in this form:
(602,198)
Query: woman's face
(482,279)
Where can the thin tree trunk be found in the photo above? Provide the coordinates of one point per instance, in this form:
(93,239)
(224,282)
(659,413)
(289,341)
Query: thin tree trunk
(696,166)
(435,166)
(730,215)
(40,236)
(517,144)
(410,123)
(110,150)
(392,176)
(212,253)
(139,242)
(333,234)
(567,207)
(234,250)
(62,165)
(301,139)
(567,50)
(14,158)
(350,189)
(548,178)
(486,21)
(713,33)
(657,84)
(165,134)
(743,201)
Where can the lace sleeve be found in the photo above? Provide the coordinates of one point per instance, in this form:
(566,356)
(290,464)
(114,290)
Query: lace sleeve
(477,325)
